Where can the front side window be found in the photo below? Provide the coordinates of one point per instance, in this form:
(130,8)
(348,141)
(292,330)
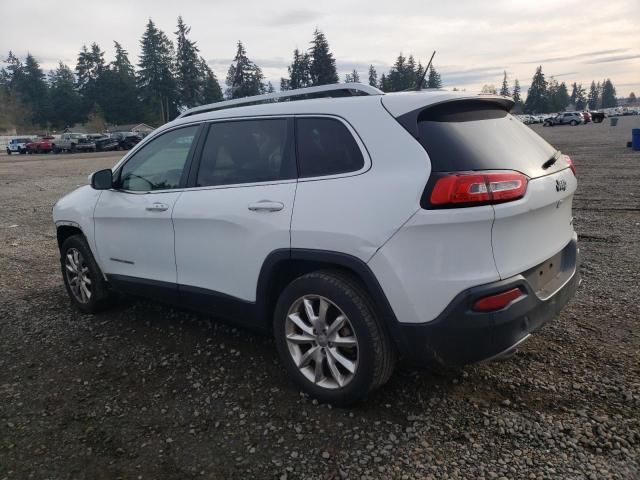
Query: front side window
(326,147)
(246,151)
(160,163)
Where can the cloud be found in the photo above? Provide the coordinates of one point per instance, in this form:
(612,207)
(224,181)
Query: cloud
(294,17)
(578,56)
(613,58)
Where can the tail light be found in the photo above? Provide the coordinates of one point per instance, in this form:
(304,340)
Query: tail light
(471,189)
(572,166)
(497,301)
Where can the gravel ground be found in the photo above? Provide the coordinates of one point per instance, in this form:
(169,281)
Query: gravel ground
(146,391)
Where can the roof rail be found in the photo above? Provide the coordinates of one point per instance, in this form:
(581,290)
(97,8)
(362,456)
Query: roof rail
(350,88)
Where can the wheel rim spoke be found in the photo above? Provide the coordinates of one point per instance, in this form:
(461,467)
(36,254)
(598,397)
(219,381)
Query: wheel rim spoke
(335,373)
(301,338)
(344,341)
(307,357)
(344,361)
(318,371)
(295,318)
(308,308)
(337,324)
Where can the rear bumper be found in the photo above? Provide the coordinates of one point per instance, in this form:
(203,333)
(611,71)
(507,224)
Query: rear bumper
(461,336)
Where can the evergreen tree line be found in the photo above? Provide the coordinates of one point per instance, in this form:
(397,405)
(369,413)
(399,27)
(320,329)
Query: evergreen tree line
(548,96)
(172,76)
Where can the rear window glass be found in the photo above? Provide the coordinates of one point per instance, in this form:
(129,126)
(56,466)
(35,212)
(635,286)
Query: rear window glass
(326,147)
(246,151)
(461,136)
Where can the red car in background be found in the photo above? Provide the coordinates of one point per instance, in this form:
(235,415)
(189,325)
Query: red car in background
(586,116)
(41,145)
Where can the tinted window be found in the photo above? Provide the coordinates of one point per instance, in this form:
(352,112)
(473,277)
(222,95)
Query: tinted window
(460,136)
(246,151)
(159,164)
(326,147)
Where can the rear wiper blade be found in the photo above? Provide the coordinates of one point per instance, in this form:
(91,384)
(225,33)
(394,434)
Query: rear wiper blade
(551,161)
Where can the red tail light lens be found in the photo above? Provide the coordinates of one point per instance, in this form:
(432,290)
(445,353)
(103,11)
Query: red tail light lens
(572,166)
(497,301)
(476,188)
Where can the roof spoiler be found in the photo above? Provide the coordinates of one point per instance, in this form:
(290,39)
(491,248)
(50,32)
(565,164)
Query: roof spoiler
(409,120)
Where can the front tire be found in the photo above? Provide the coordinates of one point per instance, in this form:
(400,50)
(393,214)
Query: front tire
(573,123)
(329,338)
(83,278)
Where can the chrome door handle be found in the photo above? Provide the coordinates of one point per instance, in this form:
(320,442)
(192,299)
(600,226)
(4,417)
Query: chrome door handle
(158,207)
(266,206)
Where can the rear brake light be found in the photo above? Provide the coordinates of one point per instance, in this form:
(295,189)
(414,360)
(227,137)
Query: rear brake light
(497,301)
(572,166)
(473,188)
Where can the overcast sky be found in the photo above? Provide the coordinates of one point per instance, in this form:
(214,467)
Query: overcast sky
(574,40)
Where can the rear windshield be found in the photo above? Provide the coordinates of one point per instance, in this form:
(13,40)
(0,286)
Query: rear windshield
(477,135)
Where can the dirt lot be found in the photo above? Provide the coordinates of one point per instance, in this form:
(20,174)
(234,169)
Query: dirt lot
(146,391)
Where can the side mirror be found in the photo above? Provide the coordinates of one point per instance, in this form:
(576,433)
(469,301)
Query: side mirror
(102,179)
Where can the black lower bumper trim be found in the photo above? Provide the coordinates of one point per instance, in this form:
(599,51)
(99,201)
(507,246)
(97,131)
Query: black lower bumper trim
(461,336)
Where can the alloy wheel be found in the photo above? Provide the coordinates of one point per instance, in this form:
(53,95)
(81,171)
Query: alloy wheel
(77,272)
(321,341)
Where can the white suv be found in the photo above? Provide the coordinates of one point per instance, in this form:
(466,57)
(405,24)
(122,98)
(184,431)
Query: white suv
(432,226)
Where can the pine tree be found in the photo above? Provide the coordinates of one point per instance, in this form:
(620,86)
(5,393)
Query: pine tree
(608,94)
(384,83)
(516,92)
(577,97)
(352,77)
(402,74)
(34,92)
(90,66)
(65,100)
(593,98)
(211,91)
(189,78)
(299,72)
(489,89)
(118,99)
(373,76)
(155,78)
(632,99)
(322,68)
(537,98)
(504,90)
(558,96)
(434,78)
(244,78)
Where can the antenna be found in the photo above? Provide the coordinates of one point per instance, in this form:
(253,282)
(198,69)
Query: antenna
(418,86)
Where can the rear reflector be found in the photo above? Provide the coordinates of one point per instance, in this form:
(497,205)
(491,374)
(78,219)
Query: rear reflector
(497,301)
(572,166)
(473,188)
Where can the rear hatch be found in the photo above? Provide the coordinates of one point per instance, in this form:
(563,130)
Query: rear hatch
(471,135)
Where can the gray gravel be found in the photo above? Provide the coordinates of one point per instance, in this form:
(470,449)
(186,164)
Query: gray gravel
(146,391)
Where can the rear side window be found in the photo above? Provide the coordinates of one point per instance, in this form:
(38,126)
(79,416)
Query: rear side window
(326,147)
(247,151)
(476,135)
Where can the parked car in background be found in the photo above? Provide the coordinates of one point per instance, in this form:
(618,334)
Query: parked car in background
(41,145)
(565,118)
(104,143)
(74,142)
(586,116)
(597,117)
(17,145)
(126,140)
(471,249)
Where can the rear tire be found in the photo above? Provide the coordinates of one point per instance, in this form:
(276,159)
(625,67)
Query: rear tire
(337,357)
(83,279)
(573,123)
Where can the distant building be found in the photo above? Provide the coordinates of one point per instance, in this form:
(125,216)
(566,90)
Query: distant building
(141,128)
